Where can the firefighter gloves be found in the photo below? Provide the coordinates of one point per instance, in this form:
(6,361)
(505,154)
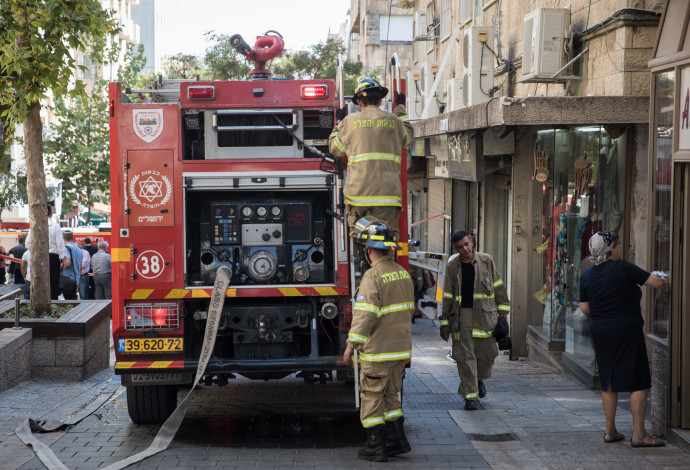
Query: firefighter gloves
(400,98)
(340,113)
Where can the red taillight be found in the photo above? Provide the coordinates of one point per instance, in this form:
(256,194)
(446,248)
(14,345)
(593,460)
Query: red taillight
(199,93)
(152,316)
(314,92)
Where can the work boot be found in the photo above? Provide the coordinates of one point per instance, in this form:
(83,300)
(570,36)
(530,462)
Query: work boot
(470,404)
(482,388)
(375,447)
(396,443)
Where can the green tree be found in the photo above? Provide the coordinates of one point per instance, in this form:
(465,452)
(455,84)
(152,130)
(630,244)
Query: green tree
(12,190)
(182,66)
(320,61)
(78,149)
(36,40)
(222,61)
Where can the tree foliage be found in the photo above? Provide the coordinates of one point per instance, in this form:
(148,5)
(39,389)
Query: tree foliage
(78,149)
(37,38)
(320,61)
(182,66)
(222,61)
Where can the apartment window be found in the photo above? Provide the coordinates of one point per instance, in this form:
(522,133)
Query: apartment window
(465,10)
(395,28)
(432,26)
(445,19)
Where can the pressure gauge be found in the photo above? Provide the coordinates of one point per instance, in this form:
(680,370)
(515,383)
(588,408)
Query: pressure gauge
(262,266)
(261,211)
(275,210)
(247,211)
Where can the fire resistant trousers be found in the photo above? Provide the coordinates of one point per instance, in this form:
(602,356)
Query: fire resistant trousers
(379,385)
(389,215)
(473,356)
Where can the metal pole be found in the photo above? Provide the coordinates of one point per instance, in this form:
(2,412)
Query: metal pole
(356,360)
(16,314)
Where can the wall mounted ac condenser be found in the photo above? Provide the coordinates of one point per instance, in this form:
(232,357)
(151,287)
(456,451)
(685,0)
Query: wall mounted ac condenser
(415,95)
(428,72)
(479,61)
(454,95)
(545,37)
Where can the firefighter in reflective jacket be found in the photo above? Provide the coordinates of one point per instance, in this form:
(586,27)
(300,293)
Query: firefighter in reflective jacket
(473,298)
(381,332)
(372,140)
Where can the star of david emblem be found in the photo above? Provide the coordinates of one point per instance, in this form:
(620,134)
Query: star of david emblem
(150,189)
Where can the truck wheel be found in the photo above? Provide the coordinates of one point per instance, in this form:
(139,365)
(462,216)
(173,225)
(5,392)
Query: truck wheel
(151,404)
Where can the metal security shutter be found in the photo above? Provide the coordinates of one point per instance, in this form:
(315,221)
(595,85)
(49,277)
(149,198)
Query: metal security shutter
(437,201)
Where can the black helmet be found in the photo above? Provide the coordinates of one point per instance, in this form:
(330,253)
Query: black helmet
(369,87)
(374,234)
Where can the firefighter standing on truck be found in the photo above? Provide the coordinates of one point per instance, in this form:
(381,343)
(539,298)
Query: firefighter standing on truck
(382,333)
(473,298)
(373,141)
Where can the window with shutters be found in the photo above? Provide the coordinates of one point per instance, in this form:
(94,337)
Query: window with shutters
(445,20)
(465,11)
(432,26)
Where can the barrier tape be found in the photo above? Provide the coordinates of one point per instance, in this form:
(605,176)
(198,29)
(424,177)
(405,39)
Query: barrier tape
(168,430)
(442,214)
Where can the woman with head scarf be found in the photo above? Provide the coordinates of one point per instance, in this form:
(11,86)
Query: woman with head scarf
(610,293)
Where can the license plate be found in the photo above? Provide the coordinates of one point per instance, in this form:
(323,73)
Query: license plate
(149,345)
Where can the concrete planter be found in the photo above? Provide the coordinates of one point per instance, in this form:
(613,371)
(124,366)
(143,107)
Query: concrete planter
(72,347)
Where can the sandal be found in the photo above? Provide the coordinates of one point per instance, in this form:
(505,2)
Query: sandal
(613,436)
(644,441)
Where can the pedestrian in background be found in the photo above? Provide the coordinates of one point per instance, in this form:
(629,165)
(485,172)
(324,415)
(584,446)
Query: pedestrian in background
(102,267)
(25,268)
(418,280)
(92,249)
(610,293)
(17,252)
(373,141)
(473,289)
(84,273)
(56,253)
(382,333)
(69,275)
(3,264)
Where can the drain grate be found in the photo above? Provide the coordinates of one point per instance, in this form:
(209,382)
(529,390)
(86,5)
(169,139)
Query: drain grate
(503,437)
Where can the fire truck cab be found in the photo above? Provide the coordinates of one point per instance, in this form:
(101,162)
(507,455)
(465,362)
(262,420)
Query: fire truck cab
(207,174)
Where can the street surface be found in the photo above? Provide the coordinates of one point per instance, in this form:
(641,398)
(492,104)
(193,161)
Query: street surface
(532,418)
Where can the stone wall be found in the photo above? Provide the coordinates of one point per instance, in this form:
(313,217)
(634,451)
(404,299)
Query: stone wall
(15,357)
(657,350)
(71,358)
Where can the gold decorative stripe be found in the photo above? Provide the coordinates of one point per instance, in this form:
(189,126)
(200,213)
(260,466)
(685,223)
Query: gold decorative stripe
(121,255)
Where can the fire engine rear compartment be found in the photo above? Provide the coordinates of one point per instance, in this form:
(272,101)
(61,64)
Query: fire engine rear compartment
(275,233)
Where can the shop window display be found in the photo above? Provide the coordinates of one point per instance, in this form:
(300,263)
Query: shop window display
(583,192)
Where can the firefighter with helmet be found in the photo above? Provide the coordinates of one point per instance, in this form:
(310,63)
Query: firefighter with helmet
(382,333)
(372,140)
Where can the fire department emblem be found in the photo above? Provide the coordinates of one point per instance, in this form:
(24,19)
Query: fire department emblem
(150,189)
(148,124)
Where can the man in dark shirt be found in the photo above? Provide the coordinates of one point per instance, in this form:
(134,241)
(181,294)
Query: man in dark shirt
(92,249)
(17,252)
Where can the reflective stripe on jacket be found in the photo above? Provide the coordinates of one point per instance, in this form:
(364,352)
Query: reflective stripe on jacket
(490,295)
(382,315)
(373,141)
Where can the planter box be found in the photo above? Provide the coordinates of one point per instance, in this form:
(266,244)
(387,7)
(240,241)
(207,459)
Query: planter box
(72,347)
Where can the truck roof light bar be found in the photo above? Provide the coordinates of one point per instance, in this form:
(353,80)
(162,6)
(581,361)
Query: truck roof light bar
(314,92)
(201,93)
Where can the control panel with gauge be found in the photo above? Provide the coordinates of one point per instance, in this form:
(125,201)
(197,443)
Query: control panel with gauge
(263,240)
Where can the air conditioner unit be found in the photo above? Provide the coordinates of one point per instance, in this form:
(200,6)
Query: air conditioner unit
(478,76)
(420,24)
(546,32)
(454,94)
(415,95)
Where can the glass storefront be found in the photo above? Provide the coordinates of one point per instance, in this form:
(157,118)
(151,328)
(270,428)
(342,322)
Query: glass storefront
(664,84)
(583,191)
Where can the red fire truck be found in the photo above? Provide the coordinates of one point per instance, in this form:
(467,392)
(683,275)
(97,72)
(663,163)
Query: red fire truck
(208,174)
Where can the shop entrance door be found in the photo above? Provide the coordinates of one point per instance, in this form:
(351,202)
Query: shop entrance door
(680,308)
(497,222)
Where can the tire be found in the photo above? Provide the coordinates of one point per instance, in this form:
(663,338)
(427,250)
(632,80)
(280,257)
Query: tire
(151,404)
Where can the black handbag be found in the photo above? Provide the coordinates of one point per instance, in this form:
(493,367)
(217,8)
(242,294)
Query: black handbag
(501,334)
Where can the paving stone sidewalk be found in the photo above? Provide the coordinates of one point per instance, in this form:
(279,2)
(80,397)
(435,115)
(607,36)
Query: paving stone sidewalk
(532,418)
